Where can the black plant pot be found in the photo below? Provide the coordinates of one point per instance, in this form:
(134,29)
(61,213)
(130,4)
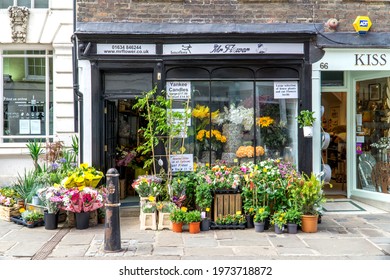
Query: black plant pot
(249,221)
(205,224)
(51,220)
(82,220)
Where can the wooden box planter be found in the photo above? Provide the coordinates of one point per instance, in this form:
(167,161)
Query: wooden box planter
(163,221)
(6,213)
(226,204)
(148,221)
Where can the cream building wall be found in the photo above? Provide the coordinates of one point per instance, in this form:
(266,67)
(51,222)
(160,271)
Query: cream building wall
(51,28)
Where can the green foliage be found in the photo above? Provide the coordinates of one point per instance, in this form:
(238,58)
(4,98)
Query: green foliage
(305,118)
(27,185)
(309,190)
(31,216)
(177,216)
(293,215)
(279,218)
(204,197)
(35,149)
(261,214)
(193,216)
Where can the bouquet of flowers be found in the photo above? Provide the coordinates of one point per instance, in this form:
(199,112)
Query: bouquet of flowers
(237,115)
(213,138)
(125,156)
(147,185)
(249,151)
(83,176)
(51,197)
(274,135)
(85,200)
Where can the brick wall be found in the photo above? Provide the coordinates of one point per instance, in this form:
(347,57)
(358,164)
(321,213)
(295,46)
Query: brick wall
(236,11)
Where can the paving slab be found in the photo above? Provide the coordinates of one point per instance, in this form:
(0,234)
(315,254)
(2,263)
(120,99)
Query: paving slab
(209,251)
(254,251)
(303,251)
(69,251)
(144,249)
(76,237)
(6,245)
(199,241)
(344,246)
(25,249)
(168,251)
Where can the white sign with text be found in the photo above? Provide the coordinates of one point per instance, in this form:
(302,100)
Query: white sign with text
(286,90)
(182,162)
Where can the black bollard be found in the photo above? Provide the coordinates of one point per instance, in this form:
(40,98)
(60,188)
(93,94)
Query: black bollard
(112,229)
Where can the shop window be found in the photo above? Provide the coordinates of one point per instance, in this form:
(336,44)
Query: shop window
(118,83)
(227,110)
(27,99)
(373,134)
(332,78)
(37,4)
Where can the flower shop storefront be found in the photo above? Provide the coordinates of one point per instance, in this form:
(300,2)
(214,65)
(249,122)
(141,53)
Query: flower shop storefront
(243,92)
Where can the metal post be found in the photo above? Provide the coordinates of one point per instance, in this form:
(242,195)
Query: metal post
(112,230)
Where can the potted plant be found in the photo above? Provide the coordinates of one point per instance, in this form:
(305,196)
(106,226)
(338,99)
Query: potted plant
(279,220)
(305,120)
(293,217)
(177,218)
(193,219)
(204,199)
(261,214)
(52,200)
(310,191)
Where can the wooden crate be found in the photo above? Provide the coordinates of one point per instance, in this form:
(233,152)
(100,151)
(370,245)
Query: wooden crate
(227,204)
(7,212)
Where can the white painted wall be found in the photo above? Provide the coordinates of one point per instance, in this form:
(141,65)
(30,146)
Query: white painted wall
(46,27)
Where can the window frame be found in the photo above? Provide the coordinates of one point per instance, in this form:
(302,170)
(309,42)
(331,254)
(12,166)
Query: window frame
(32,4)
(48,55)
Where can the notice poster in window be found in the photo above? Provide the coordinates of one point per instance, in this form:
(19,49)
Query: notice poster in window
(184,162)
(177,121)
(24,126)
(179,90)
(35,126)
(286,90)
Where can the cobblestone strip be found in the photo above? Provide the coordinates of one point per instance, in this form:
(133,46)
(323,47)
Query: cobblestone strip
(46,249)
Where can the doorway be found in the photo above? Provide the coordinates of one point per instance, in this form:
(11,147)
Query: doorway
(334,153)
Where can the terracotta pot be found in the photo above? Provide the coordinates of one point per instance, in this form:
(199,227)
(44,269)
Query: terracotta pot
(177,227)
(309,223)
(194,227)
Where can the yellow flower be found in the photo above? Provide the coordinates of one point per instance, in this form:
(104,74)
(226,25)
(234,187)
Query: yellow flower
(207,209)
(207,164)
(84,165)
(184,209)
(195,166)
(264,121)
(265,169)
(200,112)
(21,210)
(152,198)
(238,212)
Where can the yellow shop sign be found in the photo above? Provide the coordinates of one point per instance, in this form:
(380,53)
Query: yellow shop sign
(362,24)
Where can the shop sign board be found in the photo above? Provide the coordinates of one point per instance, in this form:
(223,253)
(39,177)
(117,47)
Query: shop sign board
(285,90)
(354,60)
(126,49)
(232,48)
(182,162)
(178,90)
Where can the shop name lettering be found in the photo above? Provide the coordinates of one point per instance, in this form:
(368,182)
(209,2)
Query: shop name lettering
(370,59)
(231,48)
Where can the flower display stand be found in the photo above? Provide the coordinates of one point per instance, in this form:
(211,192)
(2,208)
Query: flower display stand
(148,221)
(225,204)
(163,221)
(6,213)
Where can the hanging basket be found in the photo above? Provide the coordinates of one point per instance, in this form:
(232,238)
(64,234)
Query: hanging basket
(308,131)
(325,137)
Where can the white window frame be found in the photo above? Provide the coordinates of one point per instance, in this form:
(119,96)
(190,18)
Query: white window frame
(15,3)
(48,116)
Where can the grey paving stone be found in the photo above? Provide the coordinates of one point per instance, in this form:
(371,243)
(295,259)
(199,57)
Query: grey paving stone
(288,251)
(6,245)
(196,240)
(255,251)
(69,251)
(290,241)
(344,246)
(25,248)
(168,251)
(144,249)
(208,251)
(77,238)
(372,232)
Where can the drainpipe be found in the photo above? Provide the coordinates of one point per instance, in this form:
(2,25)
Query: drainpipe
(77,95)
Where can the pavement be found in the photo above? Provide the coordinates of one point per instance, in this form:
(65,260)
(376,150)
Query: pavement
(359,232)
